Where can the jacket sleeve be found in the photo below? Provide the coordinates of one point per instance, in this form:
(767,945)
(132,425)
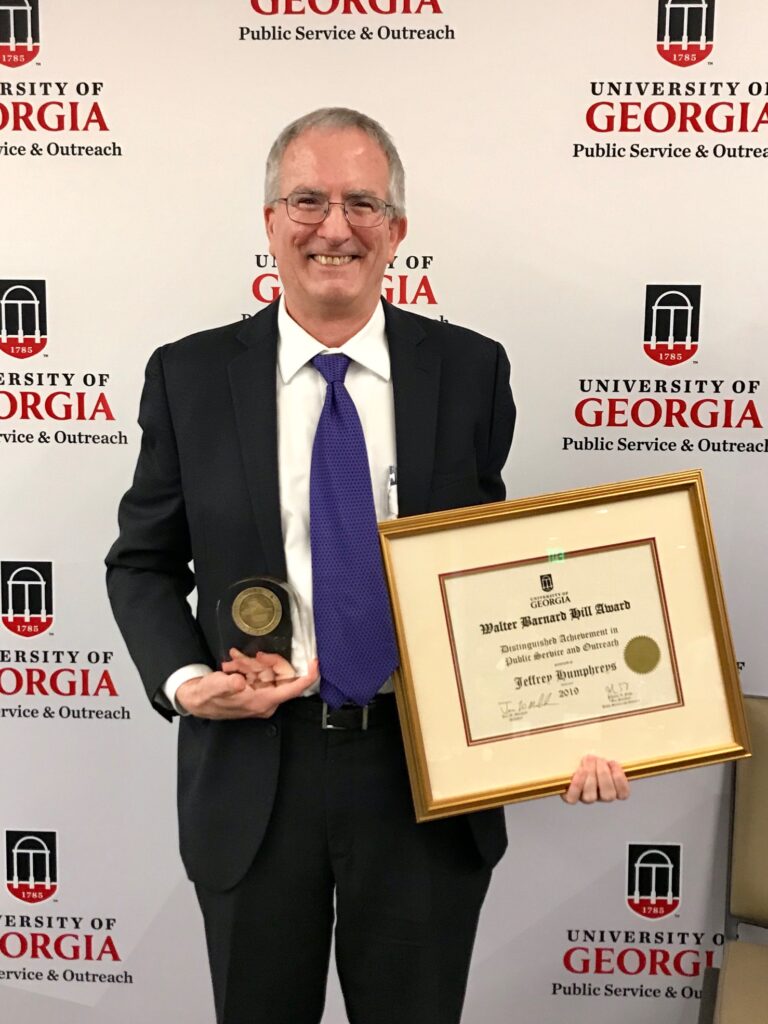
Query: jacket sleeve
(501,428)
(148,573)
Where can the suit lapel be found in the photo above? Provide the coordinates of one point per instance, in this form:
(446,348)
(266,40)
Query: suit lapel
(415,360)
(253,384)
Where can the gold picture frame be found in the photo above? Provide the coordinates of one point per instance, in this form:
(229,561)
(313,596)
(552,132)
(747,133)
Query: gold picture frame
(534,631)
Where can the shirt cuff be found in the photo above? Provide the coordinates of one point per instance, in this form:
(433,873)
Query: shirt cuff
(181,675)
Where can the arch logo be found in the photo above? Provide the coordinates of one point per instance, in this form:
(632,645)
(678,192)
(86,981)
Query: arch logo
(23,318)
(30,865)
(653,879)
(685,30)
(19,32)
(27,597)
(672,312)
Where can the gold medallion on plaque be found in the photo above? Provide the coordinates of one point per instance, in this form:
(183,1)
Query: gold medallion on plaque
(642,654)
(257,611)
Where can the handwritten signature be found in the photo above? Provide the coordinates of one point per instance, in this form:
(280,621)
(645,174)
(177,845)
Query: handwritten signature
(542,701)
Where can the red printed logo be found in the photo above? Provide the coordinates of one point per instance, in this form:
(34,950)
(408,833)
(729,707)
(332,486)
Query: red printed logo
(19,32)
(672,322)
(27,597)
(31,865)
(653,879)
(685,30)
(23,317)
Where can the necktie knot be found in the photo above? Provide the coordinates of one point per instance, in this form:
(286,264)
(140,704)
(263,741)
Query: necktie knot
(332,367)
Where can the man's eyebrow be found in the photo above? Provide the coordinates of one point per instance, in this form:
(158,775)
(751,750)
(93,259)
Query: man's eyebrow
(354,193)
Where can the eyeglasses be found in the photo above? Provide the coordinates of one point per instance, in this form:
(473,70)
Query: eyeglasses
(313,207)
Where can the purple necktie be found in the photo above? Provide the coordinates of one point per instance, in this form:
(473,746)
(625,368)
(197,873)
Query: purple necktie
(353,619)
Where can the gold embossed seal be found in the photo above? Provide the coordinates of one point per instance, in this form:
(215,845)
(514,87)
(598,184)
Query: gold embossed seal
(642,654)
(257,611)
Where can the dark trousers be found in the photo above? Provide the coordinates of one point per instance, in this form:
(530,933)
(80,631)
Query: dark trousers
(343,847)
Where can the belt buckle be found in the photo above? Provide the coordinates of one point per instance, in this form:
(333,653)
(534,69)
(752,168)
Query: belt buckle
(325,724)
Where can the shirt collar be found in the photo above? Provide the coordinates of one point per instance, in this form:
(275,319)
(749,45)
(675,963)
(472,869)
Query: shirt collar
(296,347)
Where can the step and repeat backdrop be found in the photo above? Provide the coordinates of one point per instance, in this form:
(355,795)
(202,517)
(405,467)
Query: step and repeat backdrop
(586,183)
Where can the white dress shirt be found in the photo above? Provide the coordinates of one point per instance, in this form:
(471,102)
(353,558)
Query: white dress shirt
(300,396)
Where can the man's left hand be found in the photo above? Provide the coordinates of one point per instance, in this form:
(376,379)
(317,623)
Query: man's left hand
(261,669)
(597,780)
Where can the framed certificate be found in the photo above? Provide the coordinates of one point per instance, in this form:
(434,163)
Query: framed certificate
(535,631)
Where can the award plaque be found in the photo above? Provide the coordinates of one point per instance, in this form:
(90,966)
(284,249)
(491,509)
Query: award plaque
(260,614)
(535,631)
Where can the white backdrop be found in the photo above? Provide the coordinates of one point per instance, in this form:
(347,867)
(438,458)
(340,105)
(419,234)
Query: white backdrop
(526,224)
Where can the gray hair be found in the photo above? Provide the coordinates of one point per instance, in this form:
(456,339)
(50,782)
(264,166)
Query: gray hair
(330,118)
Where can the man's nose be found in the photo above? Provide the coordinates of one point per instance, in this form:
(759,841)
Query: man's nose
(335,228)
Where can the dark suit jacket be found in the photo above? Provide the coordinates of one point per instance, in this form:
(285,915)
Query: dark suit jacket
(206,490)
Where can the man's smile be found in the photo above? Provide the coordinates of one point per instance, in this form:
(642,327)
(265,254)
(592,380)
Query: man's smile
(332,261)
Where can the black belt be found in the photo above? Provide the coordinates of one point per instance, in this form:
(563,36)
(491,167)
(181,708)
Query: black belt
(382,710)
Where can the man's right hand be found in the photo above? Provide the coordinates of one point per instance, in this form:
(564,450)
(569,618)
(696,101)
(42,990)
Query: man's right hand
(228,694)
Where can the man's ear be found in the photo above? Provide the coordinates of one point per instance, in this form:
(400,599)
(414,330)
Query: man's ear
(398,229)
(269,223)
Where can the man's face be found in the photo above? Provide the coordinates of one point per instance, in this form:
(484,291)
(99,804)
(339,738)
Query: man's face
(336,163)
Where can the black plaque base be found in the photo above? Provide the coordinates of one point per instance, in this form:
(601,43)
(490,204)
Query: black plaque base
(245,614)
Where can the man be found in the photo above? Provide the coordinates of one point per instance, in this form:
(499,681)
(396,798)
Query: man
(267,450)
